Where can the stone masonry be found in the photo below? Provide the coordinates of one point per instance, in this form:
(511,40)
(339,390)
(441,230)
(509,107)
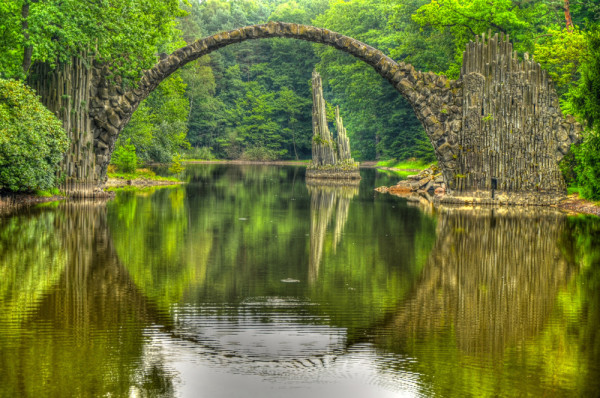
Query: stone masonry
(498,128)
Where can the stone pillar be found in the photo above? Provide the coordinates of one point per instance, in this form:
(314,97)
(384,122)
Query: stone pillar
(330,158)
(66,91)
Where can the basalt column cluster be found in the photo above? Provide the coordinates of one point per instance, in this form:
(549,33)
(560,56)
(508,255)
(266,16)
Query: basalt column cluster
(513,133)
(330,158)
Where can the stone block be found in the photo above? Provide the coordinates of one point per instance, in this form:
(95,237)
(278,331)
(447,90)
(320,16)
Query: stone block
(103,93)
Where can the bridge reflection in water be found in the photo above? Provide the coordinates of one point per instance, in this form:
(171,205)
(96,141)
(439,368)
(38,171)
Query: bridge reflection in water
(487,312)
(496,307)
(72,320)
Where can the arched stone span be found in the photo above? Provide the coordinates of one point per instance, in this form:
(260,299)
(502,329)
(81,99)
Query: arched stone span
(111,109)
(497,131)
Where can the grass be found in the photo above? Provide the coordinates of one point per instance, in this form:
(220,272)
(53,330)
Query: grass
(572,190)
(137,189)
(48,193)
(409,164)
(201,160)
(402,174)
(139,174)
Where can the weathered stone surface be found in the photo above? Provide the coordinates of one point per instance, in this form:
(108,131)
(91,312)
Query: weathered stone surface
(330,160)
(482,126)
(512,135)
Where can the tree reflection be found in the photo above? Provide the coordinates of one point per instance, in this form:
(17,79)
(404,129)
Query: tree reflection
(82,331)
(325,201)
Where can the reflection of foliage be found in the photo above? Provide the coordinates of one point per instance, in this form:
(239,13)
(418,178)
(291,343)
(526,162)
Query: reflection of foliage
(146,244)
(68,301)
(32,261)
(240,230)
(479,321)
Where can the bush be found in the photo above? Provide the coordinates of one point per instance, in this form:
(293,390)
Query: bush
(258,153)
(203,153)
(32,140)
(176,166)
(124,157)
(586,101)
(588,165)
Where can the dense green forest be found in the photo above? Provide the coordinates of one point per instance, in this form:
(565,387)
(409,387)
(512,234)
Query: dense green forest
(252,100)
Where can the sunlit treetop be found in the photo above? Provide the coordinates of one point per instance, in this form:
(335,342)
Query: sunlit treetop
(124,33)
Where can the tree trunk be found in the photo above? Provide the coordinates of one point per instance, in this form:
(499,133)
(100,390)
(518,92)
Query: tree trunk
(568,17)
(28,48)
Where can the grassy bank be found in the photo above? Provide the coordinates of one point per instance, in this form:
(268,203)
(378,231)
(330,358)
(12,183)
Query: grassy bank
(142,178)
(410,164)
(140,174)
(402,168)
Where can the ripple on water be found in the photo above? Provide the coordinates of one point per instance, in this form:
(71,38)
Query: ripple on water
(262,347)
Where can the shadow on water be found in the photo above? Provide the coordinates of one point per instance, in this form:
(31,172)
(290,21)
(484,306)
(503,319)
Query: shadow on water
(449,303)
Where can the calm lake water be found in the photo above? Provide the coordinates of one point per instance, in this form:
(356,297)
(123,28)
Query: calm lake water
(248,283)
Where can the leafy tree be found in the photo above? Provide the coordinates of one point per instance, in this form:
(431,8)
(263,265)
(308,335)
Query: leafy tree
(32,140)
(124,33)
(124,157)
(587,102)
(159,126)
(560,52)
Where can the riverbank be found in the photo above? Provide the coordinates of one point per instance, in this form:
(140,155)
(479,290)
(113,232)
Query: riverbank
(574,204)
(115,183)
(11,201)
(367,164)
(142,178)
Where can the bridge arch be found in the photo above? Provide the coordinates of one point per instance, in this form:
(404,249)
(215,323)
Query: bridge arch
(435,99)
(497,131)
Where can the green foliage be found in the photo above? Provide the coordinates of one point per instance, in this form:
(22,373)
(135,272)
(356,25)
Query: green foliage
(32,140)
(588,166)
(586,101)
(159,126)
(125,33)
(202,153)
(176,166)
(559,52)
(258,153)
(124,157)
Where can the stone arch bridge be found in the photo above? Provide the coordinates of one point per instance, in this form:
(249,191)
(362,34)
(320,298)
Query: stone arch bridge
(497,129)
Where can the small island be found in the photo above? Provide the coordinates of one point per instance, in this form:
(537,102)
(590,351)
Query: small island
(331,159)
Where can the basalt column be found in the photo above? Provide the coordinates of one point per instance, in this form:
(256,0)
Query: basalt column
(66,90)
(513,133)
(330,158)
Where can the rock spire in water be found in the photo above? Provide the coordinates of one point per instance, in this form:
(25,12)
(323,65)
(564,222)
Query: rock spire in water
(330,159)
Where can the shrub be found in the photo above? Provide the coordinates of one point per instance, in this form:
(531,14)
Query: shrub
(586,101)
(203,153)
(588,169)
(124,157)
(258,153)
(32,140)
(176,166)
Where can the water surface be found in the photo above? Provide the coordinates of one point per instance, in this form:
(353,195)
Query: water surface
(249,282)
